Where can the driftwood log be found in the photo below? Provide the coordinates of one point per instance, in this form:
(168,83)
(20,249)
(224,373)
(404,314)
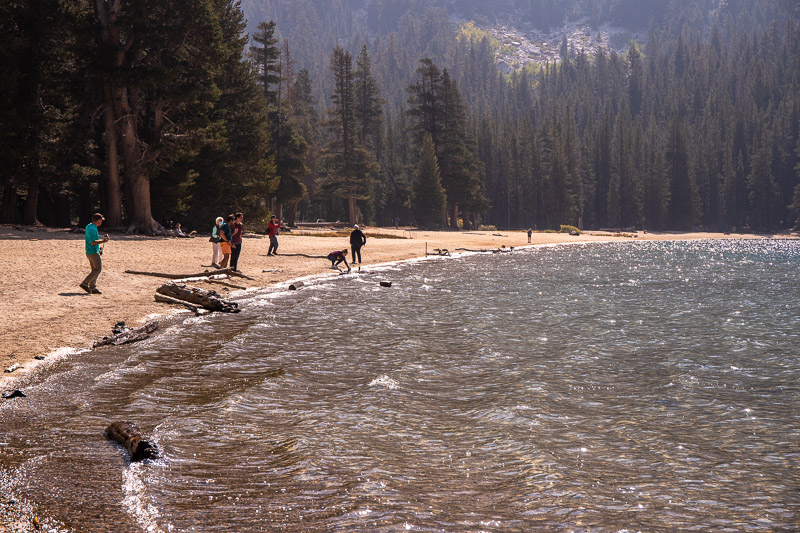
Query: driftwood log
(302,255)
(228,271)
(296,285)
(386,283)
(124,335)
(225,283)
(210,300)
(487,250)
(12,368)
(170,300)
(439,251)
(129,436)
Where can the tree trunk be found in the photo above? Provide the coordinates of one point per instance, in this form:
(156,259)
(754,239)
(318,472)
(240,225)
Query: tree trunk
(466,217)
(9,204)
(454,221)
(290,218)
(112,208)
(138,183)
(32,199)
(352,210)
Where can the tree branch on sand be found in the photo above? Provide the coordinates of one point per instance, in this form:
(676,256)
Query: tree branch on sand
(228,271)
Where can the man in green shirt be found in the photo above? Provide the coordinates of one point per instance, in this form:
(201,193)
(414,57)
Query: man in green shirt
(93,241)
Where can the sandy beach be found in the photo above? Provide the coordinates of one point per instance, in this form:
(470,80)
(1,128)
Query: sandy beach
(42,309)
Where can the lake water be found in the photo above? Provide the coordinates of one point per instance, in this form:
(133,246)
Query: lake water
(649,386)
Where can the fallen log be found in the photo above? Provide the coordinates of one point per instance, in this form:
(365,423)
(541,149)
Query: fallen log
(226,283)
(15,394)
(124,335)
(132,439)
(170,300)
(486,250)
(228,271)
(296,285)
(439,251)
(12,368)
(210,300)
(301,255)
(386,283)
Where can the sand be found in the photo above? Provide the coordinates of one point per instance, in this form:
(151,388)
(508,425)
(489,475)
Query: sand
(42,309)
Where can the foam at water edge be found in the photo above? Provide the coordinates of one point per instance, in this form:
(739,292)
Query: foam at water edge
(136,501)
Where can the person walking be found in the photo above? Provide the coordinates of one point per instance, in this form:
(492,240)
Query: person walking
(216,254)
(94,253)
(238,228)
(529,235)
(226,234)
(357,240)
(273,226)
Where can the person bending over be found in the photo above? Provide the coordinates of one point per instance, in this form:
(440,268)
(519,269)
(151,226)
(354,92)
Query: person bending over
(338,257)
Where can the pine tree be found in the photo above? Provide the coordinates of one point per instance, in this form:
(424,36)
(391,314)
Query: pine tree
(684,200)
(429,198)
(266,58)
(348,164)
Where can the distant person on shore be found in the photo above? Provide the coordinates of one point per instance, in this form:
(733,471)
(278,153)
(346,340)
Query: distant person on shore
(396,222)
(216,254)
(94,253)
(238,228)
(179,232)
(357,240)
(338,257)
(273,226)
(226,234)
(530,232)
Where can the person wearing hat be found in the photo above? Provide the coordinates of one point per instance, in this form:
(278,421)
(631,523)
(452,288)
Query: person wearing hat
(357,240)
(93,253)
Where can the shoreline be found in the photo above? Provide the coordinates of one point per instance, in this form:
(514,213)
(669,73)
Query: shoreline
(17,514)
(67,321)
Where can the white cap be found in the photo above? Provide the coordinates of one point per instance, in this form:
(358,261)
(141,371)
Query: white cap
(356,226)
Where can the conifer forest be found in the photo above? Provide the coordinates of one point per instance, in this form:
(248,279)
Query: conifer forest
(646,114)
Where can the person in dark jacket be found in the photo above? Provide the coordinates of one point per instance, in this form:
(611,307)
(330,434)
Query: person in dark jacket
(357,240)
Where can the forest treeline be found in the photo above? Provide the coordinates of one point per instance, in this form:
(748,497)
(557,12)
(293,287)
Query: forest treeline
(166,111)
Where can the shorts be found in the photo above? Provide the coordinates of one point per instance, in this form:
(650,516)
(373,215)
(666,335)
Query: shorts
(226,247)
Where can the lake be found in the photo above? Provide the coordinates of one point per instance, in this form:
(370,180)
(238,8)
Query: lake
(649,386)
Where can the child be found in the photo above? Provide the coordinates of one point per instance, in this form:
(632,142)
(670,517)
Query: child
(337,257)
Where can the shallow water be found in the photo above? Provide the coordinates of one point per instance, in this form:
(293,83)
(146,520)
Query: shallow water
(641,386)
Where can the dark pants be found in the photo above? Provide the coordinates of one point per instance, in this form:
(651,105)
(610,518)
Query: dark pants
(356,253)
(273,244)
(235,256)
(97,266)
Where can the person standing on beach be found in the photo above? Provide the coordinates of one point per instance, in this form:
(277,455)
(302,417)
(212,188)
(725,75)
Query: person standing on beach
(357,240)
(529,235)
(216,255)
(226,234)
(93,253)
(238,228)
(273,226)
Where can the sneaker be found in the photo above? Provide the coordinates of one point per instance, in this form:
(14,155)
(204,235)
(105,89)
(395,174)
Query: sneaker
(96,291)
(86,288)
